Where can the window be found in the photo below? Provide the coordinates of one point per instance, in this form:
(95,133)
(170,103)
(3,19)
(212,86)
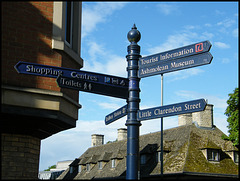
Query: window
(113,163)
(100,165)
(88,167)
(69,23)
(158,156)
(71,169)
(79,168)
(66,31)
(143,159)
(236,157)
(213,155)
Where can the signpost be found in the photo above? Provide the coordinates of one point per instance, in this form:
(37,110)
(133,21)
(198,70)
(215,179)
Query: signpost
(196,48)
(172,110)
(93,87)
(119,113)
(175,64)
(54,72)
(128,88)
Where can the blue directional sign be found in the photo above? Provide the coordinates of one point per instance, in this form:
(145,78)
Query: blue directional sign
(185,51)
(92,87)
(54,72)
(175,64)
(119,113)
(172,110)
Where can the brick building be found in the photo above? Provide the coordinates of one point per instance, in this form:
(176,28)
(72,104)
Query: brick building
(34,107)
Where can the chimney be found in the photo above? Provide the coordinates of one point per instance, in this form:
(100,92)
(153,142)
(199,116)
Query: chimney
(204,118)
(122,134)
(97,140)
(185,119)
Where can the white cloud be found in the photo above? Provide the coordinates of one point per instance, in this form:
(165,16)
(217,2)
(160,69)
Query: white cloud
(221,45)
(219,103)
(184,74)
(92,15)
(226,22)
(174,41)
(104,61)
(235,32)
(167,8)
(225,60)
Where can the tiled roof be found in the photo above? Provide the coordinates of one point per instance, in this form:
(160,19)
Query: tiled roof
(183,147)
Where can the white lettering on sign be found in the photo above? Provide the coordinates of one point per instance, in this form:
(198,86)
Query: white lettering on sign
(84,76)
(166,111)
(192,106)
(154,69)
(43,71)
(182,64)
(109,117)
(147,61)
(145,114)
(72,83)
(176,54)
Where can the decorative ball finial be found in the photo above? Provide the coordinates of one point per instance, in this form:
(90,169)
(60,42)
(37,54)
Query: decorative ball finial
(134,35)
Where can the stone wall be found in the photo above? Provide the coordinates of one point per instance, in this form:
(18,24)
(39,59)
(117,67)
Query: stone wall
(20,156)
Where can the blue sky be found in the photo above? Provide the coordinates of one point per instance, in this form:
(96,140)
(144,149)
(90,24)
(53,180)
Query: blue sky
(163,26)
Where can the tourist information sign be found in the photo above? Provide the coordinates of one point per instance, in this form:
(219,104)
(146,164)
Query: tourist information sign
(172,110)
(176,64)
(119,113)
(93,87)
(156,64)
(54,72)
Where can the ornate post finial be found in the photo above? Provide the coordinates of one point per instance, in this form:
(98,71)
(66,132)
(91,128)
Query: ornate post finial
(134,35)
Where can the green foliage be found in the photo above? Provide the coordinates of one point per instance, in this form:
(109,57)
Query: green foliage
(50,167)
(232,112)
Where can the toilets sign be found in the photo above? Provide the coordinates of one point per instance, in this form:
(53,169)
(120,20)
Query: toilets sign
(77,79)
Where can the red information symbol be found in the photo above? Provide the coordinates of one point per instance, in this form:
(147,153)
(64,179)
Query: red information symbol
(199,47)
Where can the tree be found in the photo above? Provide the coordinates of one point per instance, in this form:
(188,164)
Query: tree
(50,167)
(232,112)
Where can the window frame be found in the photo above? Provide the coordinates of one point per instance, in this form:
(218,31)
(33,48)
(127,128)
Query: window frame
(100,165)
(213,155)
(143,159)
(88,167)
(113,163)
(236,157)
(70,24)
(59,29)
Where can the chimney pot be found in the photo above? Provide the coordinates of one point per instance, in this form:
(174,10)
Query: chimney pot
(97,140)
(122,134)
(204,118)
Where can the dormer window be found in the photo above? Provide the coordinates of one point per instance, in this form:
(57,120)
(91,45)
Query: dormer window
(113,163)
(79,168)
(143,159)
(213,155)
(88,167)
(100,165)
(158,157)
(71,169)
(236,156)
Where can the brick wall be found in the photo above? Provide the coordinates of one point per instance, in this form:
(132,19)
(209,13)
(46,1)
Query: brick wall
(20,156)
(27,36)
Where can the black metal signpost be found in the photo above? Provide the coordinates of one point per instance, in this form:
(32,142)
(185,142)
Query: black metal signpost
(133,105)
(128,88)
